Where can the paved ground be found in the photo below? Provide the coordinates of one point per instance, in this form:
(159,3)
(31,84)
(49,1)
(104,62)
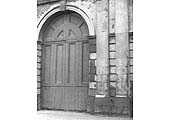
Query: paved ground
(63,115)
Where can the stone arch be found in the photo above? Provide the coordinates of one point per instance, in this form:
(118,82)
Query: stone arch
(56,9)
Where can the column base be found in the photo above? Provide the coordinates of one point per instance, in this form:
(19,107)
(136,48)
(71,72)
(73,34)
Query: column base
(111,106)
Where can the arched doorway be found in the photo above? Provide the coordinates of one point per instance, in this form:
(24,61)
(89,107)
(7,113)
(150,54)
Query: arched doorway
(65,64)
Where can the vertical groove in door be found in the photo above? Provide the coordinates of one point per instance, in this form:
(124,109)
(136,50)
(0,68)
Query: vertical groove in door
(56,63)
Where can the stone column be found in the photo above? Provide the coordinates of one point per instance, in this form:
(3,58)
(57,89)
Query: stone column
(102,62)
(121,33)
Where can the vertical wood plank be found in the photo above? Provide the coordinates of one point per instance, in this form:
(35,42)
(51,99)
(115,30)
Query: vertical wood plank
(47,64)
(53,64)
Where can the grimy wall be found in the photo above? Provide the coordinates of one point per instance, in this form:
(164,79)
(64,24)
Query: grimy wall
(111,53)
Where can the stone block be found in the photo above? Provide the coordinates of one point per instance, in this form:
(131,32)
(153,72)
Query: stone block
(38,91)
(131,53)
(112,61)
(131,69)
(112,69)
(112,47)
(93,70)
(93,56)
(38,65)
(112,40)
(131,61)
(121,61)
(121,70)
(121,85)
(38,78)
(38,102)
(102,70)
(131,46)
(38,85)
(92,92)
(131,77)
(92,62)
(102,78)
(38,59)
(112,54)
(112,89)
(38,53)
(92,85)
(113,77)
(102,88)
(39,47)
(91,78)
(92,48)
(90,104)
(38,72)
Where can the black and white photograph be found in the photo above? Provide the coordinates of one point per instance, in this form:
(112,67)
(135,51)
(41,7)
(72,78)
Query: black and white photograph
(85,58)
(76,60)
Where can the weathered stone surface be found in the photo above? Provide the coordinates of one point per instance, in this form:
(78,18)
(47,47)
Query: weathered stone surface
(112,61)
(92,70)
(102,62)
(102,78)
(38,91)
(112,47)
(113,77)
(90,104)
(112,69)
(38,85)
(131,61)
(41,10)
(92,62)
(38,65)
(112,40)
(121,61)
(122,47)
(92,85)
(92,92)
(38,78)
(131,46)
(102,88)
(113,105)
(111,16)
(112,89)
(121,70)
(102,70)
(121,85)
(38,59)
(112,54)
(92,55)
(39,47)
(38,72)
(38,53)
(131,69)
(131,77)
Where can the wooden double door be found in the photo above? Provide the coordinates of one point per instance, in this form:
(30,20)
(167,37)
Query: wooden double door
(65,64)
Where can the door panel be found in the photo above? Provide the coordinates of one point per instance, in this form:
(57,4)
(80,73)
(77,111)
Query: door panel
(65,60)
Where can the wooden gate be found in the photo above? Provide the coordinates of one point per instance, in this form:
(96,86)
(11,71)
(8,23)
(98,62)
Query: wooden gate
(65,64)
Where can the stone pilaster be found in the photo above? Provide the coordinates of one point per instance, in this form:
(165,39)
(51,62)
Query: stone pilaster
(102,62)
(121,33)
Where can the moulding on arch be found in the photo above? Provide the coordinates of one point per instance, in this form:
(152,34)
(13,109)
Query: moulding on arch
(78,9)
